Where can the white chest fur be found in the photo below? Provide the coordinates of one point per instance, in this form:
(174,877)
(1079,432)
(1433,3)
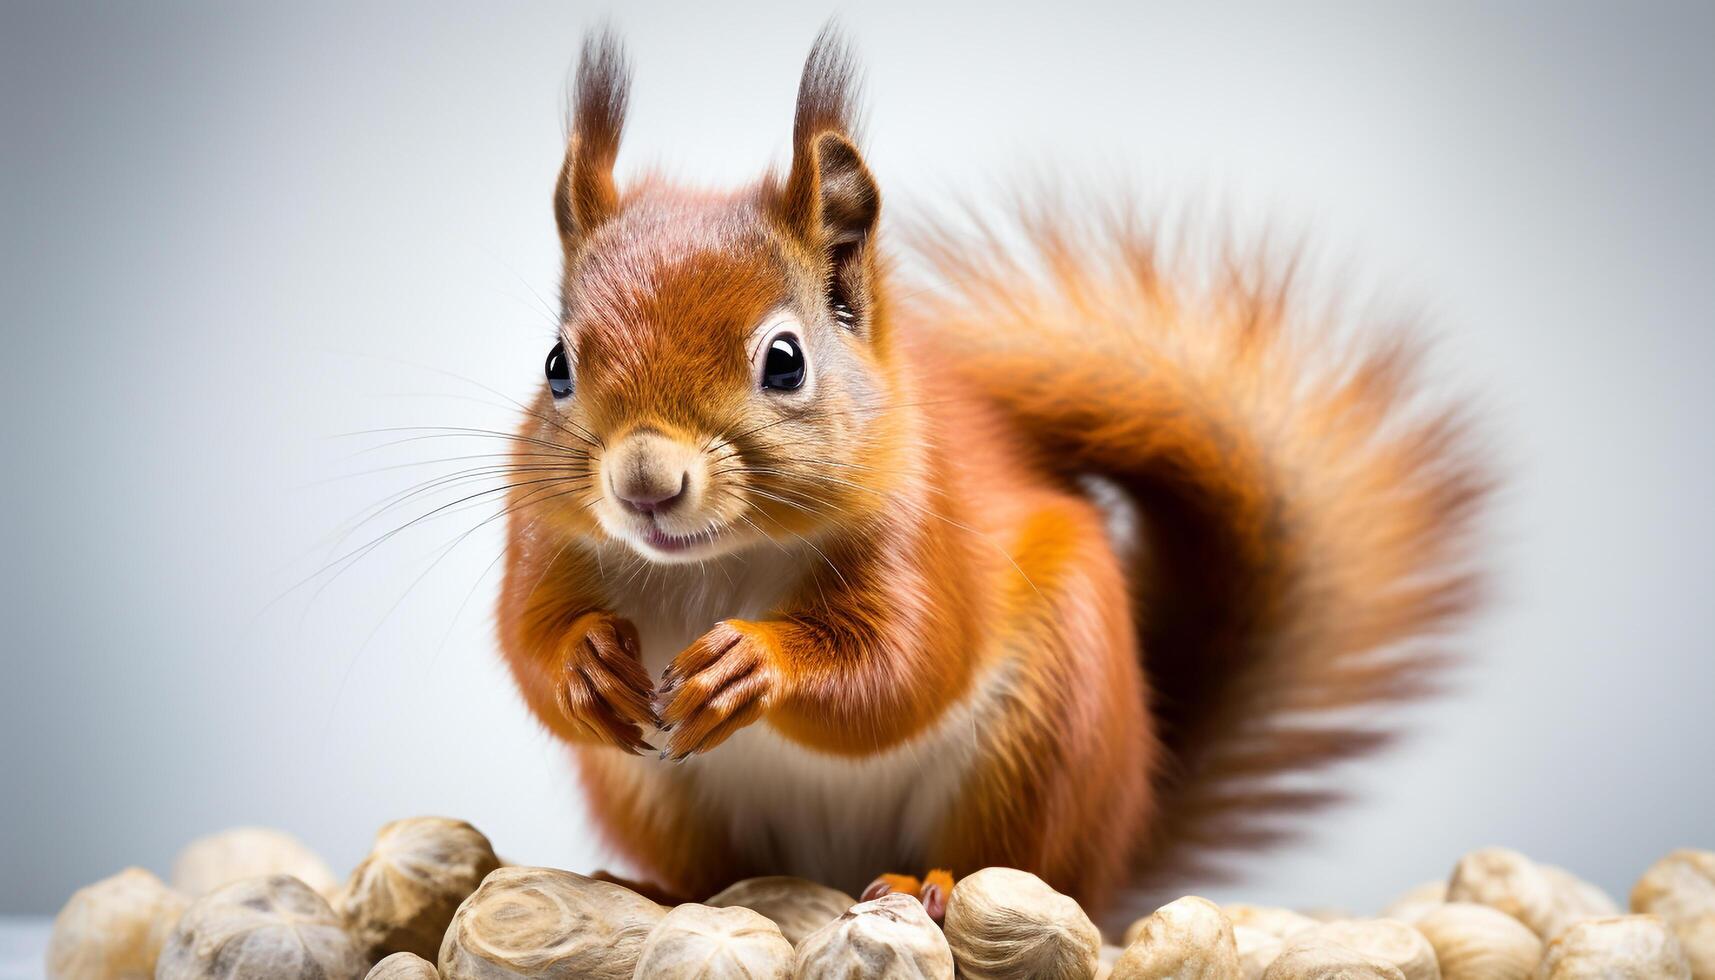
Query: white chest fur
(791,809)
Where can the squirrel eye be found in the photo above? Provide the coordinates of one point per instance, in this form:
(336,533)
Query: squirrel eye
(783,368)
(559,371)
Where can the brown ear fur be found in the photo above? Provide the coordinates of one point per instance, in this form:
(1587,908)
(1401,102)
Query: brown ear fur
(849,200)
(585,195)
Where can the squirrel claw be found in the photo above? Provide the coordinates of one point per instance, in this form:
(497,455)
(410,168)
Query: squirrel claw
(932,890)
(888,884)
(934,902)
(721,683)
(876,889)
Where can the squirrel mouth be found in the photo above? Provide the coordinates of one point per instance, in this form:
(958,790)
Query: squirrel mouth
(660,540)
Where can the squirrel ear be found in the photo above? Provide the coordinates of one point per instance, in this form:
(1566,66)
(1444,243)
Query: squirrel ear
(830,199)
(848,198)
(585,195)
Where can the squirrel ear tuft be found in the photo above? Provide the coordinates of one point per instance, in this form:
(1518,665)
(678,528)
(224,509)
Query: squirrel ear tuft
(585,195)
(830,198)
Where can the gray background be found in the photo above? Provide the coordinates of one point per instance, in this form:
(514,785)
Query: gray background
(232,233)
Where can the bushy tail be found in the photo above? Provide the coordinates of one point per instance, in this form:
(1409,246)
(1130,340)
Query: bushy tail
(1306,513)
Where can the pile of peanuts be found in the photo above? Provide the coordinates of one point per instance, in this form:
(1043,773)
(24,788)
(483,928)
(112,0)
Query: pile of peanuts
(433,902)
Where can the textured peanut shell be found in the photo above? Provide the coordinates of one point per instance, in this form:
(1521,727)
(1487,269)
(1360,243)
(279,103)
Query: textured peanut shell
(1003,923)
(1508,881)
(798,906)
(1627,947)
(1385,939)
(1546,898)
(1106,958)
(1696,936)
(404,966)
(1417,902)
(1256,949)
(543,923)
(1476,942)
(233,855)
(113,929)
(1314,958)
(403,895)
(1680,888)
(1576,899)
(699,942)
(1187,939)
(1278,922)
(273,927)
(890,938)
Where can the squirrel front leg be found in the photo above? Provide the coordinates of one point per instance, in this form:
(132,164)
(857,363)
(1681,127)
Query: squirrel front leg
(586,681)
(722,682)
(838,685)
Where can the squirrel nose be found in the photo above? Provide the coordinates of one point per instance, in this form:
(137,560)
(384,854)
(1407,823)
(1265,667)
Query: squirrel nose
(649,498)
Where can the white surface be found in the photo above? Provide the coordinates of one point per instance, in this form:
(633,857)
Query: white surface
(22,945)
(229,230)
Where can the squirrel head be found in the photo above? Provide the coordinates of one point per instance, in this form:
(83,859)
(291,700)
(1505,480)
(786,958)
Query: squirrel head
(721,378)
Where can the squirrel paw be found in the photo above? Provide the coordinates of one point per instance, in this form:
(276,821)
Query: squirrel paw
(604,690)
(932,891)
(722,682)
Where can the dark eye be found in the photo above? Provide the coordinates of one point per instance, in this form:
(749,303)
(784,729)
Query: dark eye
(559,371)
(784,366)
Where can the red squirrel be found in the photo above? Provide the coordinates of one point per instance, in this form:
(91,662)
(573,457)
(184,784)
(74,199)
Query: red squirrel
(1060,565)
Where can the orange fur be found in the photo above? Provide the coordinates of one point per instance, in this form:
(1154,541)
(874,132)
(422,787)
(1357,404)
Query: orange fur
(899,570)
